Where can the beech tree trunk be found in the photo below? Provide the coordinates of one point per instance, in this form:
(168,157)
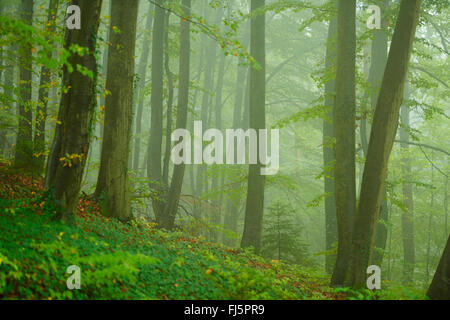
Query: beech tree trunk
(72,138)
(139,92)
(44,87)
(113,174)
(255,194)
(173,196)
(377,67)
(344,130)
(382,137)
(408,200)
(154,165)
(169,74)
(24,142)
(328,149)
(202,184)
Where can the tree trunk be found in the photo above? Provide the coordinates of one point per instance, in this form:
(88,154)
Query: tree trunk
(408,201)
(44,87)
(71,142)
(381,140)
(430,222)
(446,203)
(173,196)
(377,67)
(440,286)
(165,177)
(344,130)
(208,85)
(232,208)
(255,195)
(139,94)
(102,75)
(328,149)
(154,167)
(113,174)
(216,213)
(24,143)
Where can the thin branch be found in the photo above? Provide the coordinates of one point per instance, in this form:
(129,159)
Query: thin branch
(431,75)
(422,145)
(431,162)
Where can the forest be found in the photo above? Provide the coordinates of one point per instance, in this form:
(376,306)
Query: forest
(224,150)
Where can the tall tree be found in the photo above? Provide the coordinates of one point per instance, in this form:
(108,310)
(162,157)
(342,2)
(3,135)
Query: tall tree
(202,184)
(344,131)
(255,194)
(328,147)
(378,56)
(408,201)
(169,75)
(70,145)
(154,168)
(139,91)
(113,174)
(173,195)
(232,209)
(44,88)
(382,136)
(24,143)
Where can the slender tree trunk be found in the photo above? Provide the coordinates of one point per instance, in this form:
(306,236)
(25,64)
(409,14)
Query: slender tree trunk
(382,137)
(44,87)
(232,208)
(71,143)
(173,196)
(24,143)
(102,75)
(104,67)
(113,174)
(445,205)
(208,85)
(139,94)
(408,201)
(169,74)
(344,130)
(328,149)
(440,288)
(377,67)
(216,213)
(8,71)
(154,167)
(430,222)
(255,195)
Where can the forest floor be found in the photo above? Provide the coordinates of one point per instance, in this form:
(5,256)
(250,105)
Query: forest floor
(134,261)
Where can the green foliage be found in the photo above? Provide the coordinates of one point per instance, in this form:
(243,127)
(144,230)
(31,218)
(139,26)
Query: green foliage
(129,261)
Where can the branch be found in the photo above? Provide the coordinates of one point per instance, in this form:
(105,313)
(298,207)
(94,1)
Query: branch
(423,145)
(431,75)
(431,162)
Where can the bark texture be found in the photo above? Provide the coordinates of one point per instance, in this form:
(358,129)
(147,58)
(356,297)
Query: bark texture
(24,143)
(328,149)
(255,194)
(72,138)
(113,174)
(173,196)
(44,87)
(344,130)
(381,140)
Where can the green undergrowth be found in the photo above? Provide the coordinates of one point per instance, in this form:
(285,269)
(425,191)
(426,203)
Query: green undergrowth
(133,261)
